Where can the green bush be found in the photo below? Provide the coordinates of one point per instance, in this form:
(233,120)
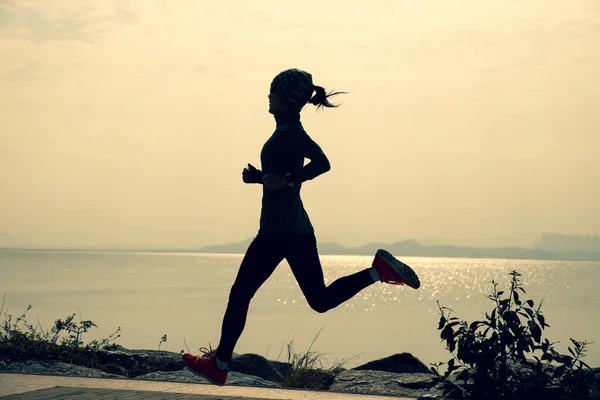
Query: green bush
(505,357)
(20,340)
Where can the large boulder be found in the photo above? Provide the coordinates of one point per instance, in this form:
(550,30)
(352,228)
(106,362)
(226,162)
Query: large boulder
(398,363)
(253,364)
(116,359)
(283,368)
(386,383)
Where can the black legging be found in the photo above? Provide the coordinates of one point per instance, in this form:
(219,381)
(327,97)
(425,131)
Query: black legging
(261,259)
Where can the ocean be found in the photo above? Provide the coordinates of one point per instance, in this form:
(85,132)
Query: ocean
(183,295)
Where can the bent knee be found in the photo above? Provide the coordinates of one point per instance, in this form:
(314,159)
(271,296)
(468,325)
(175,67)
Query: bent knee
(319,306)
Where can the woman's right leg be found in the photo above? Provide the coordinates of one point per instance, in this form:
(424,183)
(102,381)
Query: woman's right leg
(303,257)
(261,259)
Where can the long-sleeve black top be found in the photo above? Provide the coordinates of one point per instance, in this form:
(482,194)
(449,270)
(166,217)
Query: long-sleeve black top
(283,213)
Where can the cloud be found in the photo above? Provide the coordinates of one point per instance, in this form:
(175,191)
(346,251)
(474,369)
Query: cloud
(30,71)
(66,21)
(37,24)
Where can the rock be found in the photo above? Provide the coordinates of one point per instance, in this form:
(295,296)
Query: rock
(595,374)
(310,379)
(280,372)
(53,368)
(113,359)
(253,364)
(185,376)
(282,367)
(237,379)
(132,363)
(398,363)
(386,383)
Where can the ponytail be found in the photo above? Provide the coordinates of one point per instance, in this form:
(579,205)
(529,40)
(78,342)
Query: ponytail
(320,99)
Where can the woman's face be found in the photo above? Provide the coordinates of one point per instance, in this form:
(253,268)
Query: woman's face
(276,104)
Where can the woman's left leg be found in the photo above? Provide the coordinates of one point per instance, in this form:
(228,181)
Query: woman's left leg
(303,257)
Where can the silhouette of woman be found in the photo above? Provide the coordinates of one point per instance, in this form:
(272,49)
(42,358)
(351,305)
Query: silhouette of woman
(285,229)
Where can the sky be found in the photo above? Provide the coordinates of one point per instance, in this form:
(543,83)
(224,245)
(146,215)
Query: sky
(128,123)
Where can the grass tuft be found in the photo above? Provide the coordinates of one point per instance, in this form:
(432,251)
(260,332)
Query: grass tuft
(307,369)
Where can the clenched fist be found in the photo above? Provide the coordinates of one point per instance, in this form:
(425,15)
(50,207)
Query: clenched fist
(252,175)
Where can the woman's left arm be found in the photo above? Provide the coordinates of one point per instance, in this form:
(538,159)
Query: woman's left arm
(318,165)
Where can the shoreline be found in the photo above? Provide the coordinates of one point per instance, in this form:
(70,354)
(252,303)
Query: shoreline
(594,258)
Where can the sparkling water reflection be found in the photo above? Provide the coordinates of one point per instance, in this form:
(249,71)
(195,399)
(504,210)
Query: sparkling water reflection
(184,295)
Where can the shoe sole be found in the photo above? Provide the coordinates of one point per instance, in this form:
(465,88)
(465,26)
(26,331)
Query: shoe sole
(203,376)
(402,269)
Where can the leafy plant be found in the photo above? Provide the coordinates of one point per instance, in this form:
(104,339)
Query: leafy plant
(20,340)
(490,357)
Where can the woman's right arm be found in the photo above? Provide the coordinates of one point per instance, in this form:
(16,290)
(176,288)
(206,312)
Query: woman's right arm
(252,175)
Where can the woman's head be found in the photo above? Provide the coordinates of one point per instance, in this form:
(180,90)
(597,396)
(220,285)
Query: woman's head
(292,89)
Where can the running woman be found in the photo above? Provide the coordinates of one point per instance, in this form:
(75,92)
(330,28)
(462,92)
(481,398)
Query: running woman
(285,229)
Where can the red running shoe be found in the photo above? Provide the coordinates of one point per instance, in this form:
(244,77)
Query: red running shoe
(394,271)
(205,366)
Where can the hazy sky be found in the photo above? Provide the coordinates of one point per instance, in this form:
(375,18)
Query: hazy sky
(127,123)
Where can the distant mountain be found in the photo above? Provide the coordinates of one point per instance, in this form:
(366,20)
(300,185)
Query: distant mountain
(411,248)
(404,248)
(568,242)
(238,247)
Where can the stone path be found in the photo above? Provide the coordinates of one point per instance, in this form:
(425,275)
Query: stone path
(69,393)
(30,387)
